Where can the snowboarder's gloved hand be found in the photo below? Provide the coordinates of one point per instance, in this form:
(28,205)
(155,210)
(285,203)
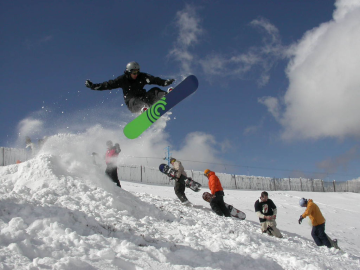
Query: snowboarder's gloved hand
(88,84)
(168,82)
(300,219)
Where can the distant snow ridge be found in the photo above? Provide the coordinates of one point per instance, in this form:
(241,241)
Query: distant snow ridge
(55,216)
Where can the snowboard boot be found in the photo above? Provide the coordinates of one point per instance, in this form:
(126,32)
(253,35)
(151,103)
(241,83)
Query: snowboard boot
(268,231)
(335,243)
(187,203)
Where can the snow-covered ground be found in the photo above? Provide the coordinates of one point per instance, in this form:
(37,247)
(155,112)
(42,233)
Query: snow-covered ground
(59,213)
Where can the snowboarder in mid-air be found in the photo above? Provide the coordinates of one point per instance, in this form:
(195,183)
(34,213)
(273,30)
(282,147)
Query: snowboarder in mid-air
(132,83)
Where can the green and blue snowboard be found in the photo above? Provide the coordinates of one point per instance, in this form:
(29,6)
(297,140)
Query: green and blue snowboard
(184,89)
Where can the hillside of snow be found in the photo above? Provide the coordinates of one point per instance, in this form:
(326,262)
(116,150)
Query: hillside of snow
(59,211)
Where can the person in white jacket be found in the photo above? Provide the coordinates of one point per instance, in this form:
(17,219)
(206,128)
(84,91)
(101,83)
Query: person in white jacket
(180,178)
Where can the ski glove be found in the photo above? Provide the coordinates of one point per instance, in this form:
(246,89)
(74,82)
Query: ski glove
(89,84)
(168,82)
(300,219)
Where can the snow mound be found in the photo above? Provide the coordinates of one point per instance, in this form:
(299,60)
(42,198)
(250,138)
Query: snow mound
(61,212)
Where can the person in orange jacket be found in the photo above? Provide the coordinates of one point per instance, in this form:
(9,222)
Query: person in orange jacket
(318,223)
(217,202)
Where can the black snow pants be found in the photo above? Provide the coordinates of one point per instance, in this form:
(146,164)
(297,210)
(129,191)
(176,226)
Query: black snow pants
(111,172)
(180,188)
(135,104)
(319,235)
(218,206)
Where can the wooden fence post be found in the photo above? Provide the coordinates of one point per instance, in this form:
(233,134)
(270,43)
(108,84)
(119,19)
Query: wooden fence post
(334,185)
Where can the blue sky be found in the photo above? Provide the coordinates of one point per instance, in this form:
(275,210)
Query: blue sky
(278,80)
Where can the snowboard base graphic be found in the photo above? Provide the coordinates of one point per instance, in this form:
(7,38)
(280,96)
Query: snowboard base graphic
(141,123)
(189,183)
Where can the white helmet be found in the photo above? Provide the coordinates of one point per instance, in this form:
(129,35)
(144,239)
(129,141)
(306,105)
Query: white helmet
(303,202)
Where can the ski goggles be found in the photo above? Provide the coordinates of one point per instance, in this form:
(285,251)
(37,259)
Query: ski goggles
(135,71)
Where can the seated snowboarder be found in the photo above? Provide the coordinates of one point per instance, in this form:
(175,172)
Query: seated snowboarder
(132,83)
(180,178)
(110,159)
(266,211)
(217,201)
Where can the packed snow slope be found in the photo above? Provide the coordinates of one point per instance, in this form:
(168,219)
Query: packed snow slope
(59,211)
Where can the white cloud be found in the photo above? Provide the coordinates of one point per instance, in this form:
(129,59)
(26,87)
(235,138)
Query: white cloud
(29,127)
(30,44)
(257,58)
(272,104)
(188,24)
(342,161)
(324,83)
(198,147)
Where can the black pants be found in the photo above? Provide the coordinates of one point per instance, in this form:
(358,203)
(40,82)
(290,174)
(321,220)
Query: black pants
(319,235)
(218,206)
(111,171)
(135,104)
(180,188)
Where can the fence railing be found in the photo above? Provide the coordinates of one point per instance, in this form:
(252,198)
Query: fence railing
(10,156)
(150,175)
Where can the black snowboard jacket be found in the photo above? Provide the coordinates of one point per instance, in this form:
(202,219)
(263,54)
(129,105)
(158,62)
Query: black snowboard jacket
(131,88)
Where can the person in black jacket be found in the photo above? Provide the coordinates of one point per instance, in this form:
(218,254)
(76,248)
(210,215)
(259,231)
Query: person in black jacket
(132,83)
(266,211)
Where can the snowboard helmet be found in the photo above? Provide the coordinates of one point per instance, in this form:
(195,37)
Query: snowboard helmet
(172,160)
(206,172)
(131,66)
(109,144)
(303,202)
(162,167)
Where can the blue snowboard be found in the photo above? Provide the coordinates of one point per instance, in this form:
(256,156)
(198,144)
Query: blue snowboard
(184,89)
